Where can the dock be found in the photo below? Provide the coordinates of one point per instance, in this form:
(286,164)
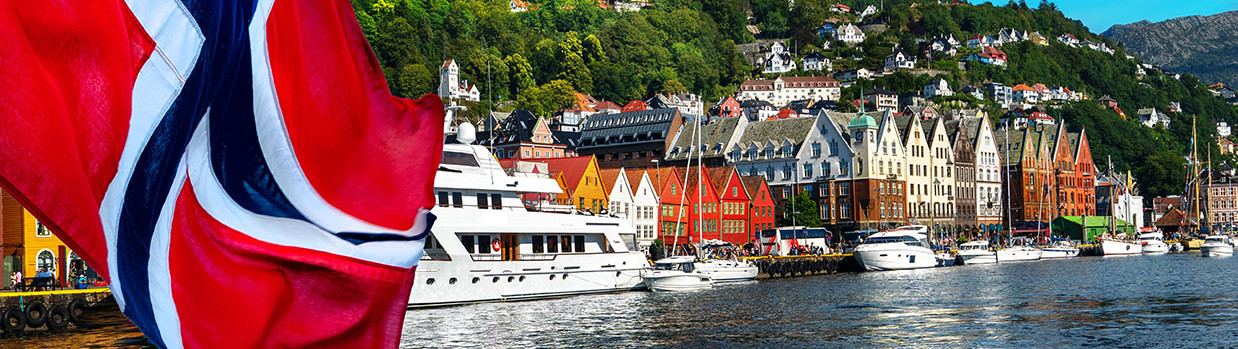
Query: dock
(55,308)
(805,265)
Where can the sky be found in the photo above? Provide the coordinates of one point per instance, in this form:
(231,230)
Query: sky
(1099,15)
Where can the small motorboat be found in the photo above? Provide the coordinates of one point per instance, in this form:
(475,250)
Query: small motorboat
(1060,249)
(676,273)
(896,249)
(1217,246)
(1120,248)
(976,252)
(944,259)
(1176,247)
(727,270)
(1018,254)
(1153,243)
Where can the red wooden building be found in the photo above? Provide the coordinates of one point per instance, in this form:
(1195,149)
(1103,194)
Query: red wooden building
(733,203)
(761,208)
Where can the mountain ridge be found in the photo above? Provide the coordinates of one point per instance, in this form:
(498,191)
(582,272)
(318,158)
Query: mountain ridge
(1208,54)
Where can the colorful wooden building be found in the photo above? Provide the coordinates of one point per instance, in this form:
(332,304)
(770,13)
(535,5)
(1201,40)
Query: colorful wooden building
(733,200)
(583,181)
(30,246)
(761,209)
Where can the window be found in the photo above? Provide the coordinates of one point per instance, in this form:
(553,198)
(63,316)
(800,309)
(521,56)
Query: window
(496,201)
(552,245)
(457,199)
(734,191)
(808,170)
(442,199)
(468,242)
(46,261)
(816,150)
(482,203)
(539,246)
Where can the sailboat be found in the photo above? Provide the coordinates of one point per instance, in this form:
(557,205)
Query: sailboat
(680,273)
(1117,244)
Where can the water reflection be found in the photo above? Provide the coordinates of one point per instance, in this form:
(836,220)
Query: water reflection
(1178,300)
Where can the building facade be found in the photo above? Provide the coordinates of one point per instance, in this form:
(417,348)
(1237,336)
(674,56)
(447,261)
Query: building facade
(630,140)
(783,90)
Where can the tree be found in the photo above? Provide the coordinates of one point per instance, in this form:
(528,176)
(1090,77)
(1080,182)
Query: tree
(807,209)
(413,80)
(673,87)
(593,50)
(521,74)
(548,98)
(575,72)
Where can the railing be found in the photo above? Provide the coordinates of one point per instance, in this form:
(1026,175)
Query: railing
(486,256)
(435,256)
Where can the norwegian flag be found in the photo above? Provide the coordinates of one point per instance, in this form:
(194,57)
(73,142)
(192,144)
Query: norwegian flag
(237,170)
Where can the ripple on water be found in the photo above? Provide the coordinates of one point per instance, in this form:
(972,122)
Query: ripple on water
(1177,300)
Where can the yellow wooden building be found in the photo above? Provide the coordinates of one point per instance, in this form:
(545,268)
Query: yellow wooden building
(583,181)
(31,246)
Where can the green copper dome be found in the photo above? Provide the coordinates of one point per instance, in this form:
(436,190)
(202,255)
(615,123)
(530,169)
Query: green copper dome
(862,120)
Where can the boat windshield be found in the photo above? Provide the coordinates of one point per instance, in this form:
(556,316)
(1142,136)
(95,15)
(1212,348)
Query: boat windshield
(910,241)
(685,267)
(1215,240)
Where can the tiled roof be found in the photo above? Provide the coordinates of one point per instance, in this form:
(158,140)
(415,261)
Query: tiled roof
(573,168)
(631,127)
(715,137)
(719,176)
(636,105)
(609,176)
(752,184)
(790,82)
(794,130)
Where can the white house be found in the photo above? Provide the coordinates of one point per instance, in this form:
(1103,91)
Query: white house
(634,197)
(451,87)
(1223,129)
(785,89)
(816,61)
(1069,40)
(1150,117)
(988,169)
(518,5)
(899,60)
(938,88)
(1002,94)
(854,74)
(777,60)
(868,11)
(883,99)
(944,45)
(841,8)
(849,34)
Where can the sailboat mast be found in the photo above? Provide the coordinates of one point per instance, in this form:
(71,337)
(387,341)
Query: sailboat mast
(1009,210)
(700,167)
(1208,195)
(1195,171)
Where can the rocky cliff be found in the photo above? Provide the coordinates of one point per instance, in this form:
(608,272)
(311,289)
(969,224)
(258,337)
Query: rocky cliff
(1205,46)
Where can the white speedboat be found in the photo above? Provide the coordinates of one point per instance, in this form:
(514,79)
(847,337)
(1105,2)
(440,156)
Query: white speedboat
(895,250)
(1060,249)
(1176,247)
(492,242)
(976,252)
(1120,248)
(1217,246)
(678,273)
(726,270)
(1153,243)
(1018,254)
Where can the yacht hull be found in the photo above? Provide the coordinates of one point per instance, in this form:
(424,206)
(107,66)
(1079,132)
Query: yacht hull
(1216,250)
(1120,248)
(1059,253)
(727,271)
(453,281)
(1018,255)
(894,257)
(970,258)
(1155,247)
(678,282)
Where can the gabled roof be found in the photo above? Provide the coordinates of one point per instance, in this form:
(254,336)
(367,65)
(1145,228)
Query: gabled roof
(573,168)
(720,176)
(634,180)
(776,131)
(606,105)
(717,132)
(610,178)
(752,184)
(904,123)
(635,105)
(447,63)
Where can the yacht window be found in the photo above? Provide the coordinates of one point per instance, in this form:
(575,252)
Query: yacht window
(552,245)
(458,158)
(467,241)
(442,199)
(483,244)
(566,243)
(579,241)
(538,244)
(457,199)
(481,201)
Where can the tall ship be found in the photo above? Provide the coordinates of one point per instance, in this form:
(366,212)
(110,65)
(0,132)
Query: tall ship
(499,237)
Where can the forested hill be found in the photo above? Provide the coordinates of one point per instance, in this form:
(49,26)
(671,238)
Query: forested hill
(536,59)
(1205,46)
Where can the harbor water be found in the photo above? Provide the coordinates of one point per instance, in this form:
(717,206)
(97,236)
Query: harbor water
(1176,300)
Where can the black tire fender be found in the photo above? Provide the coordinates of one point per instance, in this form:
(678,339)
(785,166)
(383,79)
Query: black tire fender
(36,314)
(77,309)
(14,320)
(57,317)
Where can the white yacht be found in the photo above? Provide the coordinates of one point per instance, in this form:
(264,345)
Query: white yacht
(1217,246)
(1119,247)
(678,273)
(976,252)
(894,250)
(492,241)
(1018,254)
(1153,243)
(728,270)
(1060,249)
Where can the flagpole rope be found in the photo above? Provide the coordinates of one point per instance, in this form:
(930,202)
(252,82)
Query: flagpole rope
(168,61)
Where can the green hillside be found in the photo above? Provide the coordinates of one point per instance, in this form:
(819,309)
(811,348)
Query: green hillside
(535,59)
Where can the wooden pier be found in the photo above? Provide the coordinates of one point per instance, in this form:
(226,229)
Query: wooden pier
(792,266)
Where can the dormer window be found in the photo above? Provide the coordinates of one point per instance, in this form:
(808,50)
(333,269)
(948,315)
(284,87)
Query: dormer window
(786,151)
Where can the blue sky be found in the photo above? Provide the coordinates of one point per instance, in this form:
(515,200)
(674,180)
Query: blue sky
(1099,15)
